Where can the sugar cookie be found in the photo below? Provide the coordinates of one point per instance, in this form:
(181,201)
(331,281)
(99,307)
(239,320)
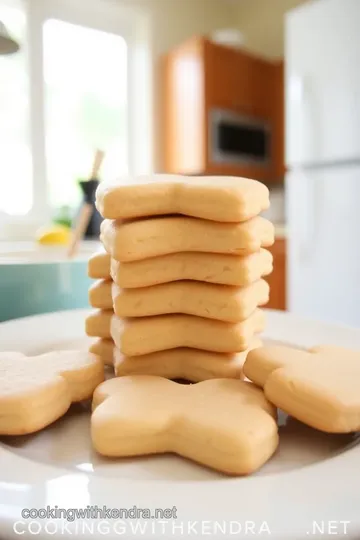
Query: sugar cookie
(100,294)
(146,238)
(207,267)
(189,364)
(104,348)
(217,198)
(221,302)
(99,266)
(225,424)
(98,323)
(145,335)
(319,388)
(36,391)
(260,365)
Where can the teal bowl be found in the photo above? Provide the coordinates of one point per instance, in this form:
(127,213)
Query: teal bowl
(36,280)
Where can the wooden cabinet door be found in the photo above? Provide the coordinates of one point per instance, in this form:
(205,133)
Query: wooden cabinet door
(227,78)
(220,76)
(183,109)
(267,90)
(277,280)
(279,121)
(262,88)
(243,95)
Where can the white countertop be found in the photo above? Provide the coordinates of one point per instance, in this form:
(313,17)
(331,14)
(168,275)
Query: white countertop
(25,246)
(17,252)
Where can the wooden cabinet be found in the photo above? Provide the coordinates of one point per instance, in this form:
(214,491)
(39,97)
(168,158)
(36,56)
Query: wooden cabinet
(261,88)
(279,121)
(185,121)
(200,76)
(227,78)
(221,79)
(277,280)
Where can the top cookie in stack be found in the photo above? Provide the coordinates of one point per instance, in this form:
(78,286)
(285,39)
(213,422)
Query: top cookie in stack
(187,261)
(224,199)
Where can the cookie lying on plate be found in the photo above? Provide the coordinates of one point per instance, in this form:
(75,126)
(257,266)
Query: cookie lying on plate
(225,424)
(36,391)
(217,198)
(153,237)
(320,387)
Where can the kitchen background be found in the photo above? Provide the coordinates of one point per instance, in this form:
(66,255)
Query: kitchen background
(258,88)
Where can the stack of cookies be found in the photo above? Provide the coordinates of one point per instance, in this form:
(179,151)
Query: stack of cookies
(100,297)
(187,262)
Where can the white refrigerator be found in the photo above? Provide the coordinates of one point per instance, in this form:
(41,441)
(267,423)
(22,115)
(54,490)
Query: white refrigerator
(322,88)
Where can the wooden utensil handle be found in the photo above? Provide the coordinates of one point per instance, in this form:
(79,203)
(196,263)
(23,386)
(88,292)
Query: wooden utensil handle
(99,156)
(80,228)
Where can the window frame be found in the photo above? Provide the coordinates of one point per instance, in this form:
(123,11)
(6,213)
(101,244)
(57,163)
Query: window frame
(108,16)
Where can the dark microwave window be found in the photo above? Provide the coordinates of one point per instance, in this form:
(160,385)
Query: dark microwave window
(244,141)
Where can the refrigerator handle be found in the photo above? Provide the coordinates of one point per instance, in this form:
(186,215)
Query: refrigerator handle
(304,117)
(312,218)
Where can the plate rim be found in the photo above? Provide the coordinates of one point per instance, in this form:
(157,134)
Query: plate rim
(251,496)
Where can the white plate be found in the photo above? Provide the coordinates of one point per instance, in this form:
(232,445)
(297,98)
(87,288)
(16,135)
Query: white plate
(311,487)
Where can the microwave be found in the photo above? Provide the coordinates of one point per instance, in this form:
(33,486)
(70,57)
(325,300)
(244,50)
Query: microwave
(237,139)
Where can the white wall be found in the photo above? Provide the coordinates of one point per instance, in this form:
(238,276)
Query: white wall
(171,23)
(175,20)
(262,22)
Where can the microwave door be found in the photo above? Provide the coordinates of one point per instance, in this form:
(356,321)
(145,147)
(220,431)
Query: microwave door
(239,140)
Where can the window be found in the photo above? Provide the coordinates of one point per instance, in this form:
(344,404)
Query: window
(85,108)
(79,83)
(15,155)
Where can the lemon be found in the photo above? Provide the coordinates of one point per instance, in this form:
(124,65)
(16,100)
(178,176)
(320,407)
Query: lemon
(54,236)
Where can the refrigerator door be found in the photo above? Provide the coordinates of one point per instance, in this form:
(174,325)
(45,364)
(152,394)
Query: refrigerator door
(322,82)
(323,254)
